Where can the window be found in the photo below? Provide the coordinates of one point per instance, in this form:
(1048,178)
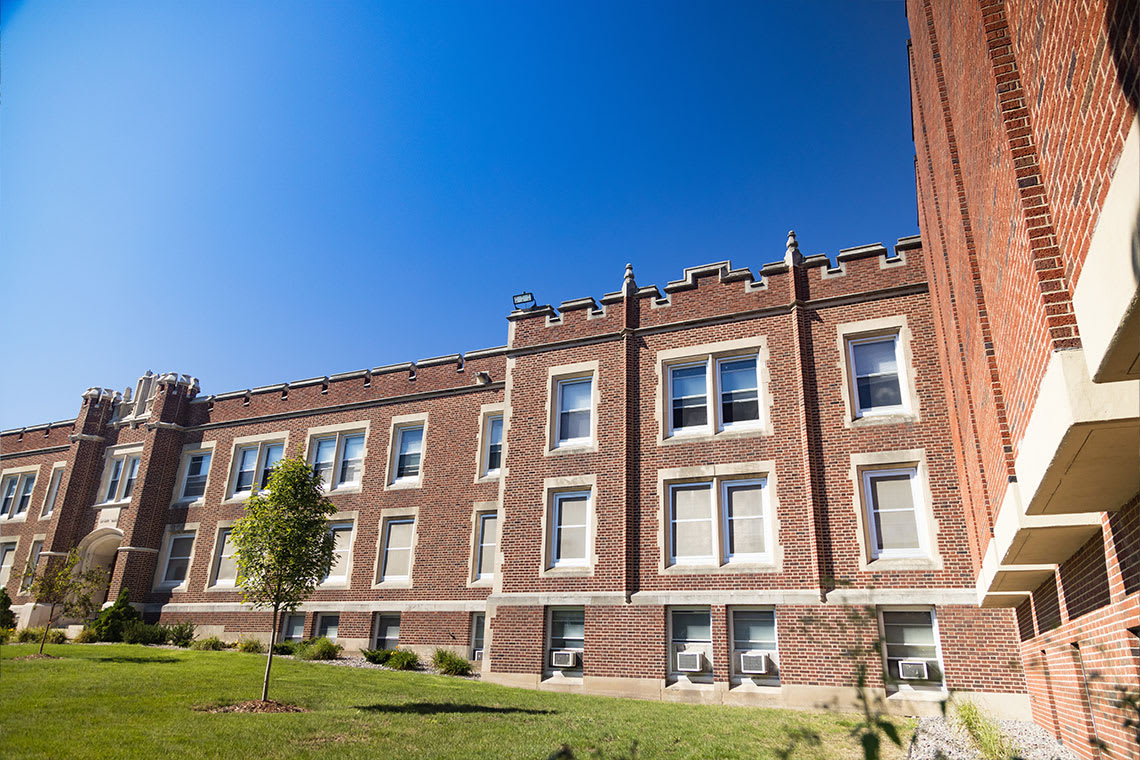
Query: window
(327,625)
(17,494)
(753,631)
(735,384)
(570,529)
(194,481)
(121,475)
(690,632)
(178,558)
(691,523)
(33,561)
(488,525)
(409,450)
(746,534)
(567,632)
(387,631)
(875,366)
(7,558)
(339,459)
(342,538)
(892,498)
(493,459)
(575,410)
(53,492)
(478,626)
(225,566)
(255,465)
(396,564)
(911,635)
(293,627)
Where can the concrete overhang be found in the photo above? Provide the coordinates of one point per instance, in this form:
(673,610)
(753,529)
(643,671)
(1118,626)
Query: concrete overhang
(1106,300)
(1081,449)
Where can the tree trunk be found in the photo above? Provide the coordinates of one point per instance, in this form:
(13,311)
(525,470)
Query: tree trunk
(269,657)
(47,627)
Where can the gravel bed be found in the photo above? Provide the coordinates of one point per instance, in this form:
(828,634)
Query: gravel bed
(937,738)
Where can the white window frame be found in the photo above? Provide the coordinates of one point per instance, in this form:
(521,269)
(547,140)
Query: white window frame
(55,483)
(399,424)
(903,407)
(7,549)
(481,619)
(401,432)
(710,558)
(710,415)
(216,558)
(671,651)
(339,435)
(773,654)
(319,618)
(481,573)
(486,470)
(376,619)
(281,633)
(918,508)
(382,578)
(168,548)
(340,524)
(576,671)
(554,561)
(580,441)
(128,461)
(184,475)
(721,556)
(31,563)
(712,356)
(730,557)
(259,468)
(23,486)
(904,685)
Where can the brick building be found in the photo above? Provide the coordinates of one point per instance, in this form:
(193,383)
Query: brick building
(746,486)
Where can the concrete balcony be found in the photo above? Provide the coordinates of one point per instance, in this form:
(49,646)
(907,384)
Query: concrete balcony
(1080,458)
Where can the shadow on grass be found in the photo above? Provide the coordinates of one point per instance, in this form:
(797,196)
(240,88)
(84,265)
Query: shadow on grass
(136,659)
(435,708)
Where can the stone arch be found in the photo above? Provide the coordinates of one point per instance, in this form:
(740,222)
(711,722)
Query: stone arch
(100,548)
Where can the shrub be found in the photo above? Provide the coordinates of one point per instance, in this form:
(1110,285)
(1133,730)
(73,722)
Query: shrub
(987,737)
(377,656)
(7,617)
(138,632)
(284,647)
(253,646)
(86,636)
(6,635)
(211,644)
(109,625)
(450,664)
(33,635)
(402,659)
(317,649)
(180,634)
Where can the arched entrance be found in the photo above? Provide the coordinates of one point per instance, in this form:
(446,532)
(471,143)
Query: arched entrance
(100,548)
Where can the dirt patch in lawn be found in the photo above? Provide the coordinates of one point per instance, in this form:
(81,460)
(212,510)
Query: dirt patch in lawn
(37,656)
(253,706)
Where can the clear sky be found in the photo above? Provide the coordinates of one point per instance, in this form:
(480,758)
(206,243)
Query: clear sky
(255,192)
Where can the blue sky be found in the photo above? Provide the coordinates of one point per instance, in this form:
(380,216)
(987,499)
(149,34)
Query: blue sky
(256,192)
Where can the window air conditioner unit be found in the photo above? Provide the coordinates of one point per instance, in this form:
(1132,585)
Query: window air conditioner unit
(913,670)
(754,662)
(478,654)
(691,662)
(563,658)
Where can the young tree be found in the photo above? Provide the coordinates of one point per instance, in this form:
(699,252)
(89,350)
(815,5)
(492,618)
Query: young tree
(64,589)
(283,545)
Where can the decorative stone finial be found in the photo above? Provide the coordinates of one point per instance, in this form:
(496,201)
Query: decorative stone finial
(628,283)
(792,256)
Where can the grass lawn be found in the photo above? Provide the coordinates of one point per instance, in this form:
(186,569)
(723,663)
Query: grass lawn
(110,701)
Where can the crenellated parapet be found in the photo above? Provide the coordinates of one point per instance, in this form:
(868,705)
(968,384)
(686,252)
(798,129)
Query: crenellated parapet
(719,289)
